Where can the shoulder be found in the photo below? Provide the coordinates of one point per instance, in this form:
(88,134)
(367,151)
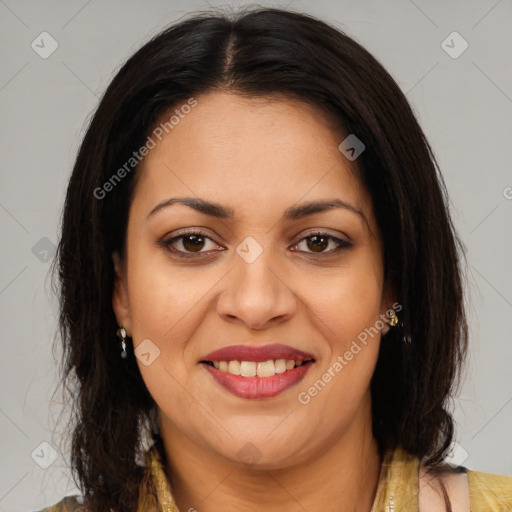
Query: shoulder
(67,504)
(477,491)
(489,492)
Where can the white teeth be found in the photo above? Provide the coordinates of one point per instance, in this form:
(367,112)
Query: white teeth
(266,368)
(261,369)
(280,365)
(234,367)
(248,368)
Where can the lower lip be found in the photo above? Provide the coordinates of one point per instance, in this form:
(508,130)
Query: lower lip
(258,387)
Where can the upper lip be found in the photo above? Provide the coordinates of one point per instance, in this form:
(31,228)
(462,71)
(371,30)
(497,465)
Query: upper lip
(257,353)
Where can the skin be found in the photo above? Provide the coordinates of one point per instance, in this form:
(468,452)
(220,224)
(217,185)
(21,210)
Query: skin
(257,157)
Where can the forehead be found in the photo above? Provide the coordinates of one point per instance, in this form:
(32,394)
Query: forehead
(250,154)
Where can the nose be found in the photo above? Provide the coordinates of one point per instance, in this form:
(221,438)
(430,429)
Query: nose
(256,296)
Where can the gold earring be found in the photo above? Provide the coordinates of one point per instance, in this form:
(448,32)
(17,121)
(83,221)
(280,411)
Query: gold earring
(393,321)
(121,333)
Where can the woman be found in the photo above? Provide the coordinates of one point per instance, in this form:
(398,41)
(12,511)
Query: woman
(256,213)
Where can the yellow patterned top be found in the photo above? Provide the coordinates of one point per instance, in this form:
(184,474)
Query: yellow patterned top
(397,489)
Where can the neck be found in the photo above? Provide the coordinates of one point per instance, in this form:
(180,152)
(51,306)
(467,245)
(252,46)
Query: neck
(344,477)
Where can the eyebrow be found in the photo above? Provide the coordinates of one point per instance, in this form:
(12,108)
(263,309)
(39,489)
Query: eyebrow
(292,213)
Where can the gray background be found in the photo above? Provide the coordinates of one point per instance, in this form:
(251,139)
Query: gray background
(464,105)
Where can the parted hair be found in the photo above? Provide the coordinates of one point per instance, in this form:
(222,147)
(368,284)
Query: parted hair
(257,52)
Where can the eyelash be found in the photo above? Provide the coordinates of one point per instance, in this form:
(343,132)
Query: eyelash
(166,244)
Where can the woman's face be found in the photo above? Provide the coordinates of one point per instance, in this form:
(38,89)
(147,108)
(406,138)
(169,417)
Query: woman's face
(254,279)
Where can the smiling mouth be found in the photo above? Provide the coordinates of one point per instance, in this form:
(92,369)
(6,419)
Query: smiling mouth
(262,369)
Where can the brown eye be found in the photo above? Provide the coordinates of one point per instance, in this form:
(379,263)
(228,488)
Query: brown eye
(188,245)
(193,243)
(317,243)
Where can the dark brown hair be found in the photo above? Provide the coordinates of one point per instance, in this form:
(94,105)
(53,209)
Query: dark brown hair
(258,53)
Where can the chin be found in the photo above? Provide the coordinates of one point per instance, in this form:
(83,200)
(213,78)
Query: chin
(261,451)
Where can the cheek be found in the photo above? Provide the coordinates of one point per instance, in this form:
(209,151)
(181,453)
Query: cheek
(347,300)
(165,300)
(166,306)
(346,306)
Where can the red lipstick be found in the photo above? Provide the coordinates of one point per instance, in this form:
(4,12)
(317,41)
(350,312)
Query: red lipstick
(258,387)
(257,353)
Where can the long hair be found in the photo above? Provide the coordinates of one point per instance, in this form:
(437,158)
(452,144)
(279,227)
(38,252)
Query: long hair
(258,53)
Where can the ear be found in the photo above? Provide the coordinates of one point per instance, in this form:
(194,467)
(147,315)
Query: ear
(120,299)
(387,305)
